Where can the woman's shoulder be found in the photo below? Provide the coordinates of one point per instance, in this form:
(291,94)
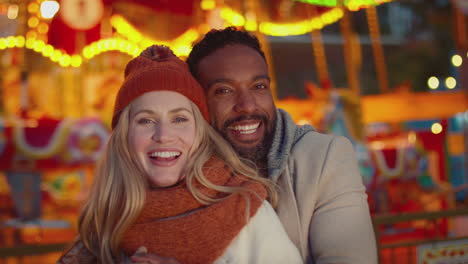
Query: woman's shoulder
(262,240)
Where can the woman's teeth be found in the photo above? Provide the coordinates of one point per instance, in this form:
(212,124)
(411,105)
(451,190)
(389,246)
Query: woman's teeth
(165,154)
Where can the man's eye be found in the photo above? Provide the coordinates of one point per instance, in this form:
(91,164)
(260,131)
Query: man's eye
(222,91)
(260,86)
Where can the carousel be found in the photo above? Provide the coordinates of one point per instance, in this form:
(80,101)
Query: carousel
(63,61)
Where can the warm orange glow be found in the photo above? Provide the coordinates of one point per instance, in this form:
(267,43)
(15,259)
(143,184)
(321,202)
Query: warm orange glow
(43,28)
(33,7)
(33,22)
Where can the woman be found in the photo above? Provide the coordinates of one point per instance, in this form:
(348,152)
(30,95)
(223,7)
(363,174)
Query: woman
(170,183)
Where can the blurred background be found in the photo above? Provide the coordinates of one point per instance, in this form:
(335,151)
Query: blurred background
(389,75)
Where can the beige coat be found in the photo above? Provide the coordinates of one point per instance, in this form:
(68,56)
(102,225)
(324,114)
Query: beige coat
(322,203)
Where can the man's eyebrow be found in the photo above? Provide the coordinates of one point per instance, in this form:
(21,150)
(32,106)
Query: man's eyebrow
(219,80)
(226,80)
(262,76)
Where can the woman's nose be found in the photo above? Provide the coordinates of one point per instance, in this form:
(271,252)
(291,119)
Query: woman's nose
(162,133)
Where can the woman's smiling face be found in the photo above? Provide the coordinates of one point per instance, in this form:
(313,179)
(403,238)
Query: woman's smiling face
(162,135)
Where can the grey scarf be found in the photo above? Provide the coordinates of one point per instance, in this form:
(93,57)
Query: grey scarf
(287,133)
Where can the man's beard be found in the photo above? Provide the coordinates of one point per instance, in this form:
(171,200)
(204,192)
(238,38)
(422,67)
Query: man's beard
(257,154)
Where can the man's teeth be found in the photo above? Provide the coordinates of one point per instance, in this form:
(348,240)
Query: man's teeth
(165,154)
(246,129)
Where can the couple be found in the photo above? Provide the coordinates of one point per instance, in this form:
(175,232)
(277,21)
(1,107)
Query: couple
(170,189)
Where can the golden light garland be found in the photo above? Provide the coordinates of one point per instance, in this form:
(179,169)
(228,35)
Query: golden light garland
(352,5)
(136,41)
(111,44)
(283,29)
(181,45)
(44,49)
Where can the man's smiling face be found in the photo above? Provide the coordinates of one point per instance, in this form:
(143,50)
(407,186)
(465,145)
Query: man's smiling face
(239,98)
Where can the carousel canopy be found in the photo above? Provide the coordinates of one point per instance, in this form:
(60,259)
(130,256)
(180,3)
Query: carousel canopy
(70,32)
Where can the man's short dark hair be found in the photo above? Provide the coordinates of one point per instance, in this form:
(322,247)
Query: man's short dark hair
(217,39)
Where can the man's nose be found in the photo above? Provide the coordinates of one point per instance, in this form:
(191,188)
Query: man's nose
(245,102)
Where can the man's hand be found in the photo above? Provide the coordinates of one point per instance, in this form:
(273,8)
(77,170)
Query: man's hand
(141,255)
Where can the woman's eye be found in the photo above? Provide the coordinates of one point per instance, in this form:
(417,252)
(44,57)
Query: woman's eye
(144,121)
(180,120)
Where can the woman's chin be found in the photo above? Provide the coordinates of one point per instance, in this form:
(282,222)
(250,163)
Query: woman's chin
(165,184)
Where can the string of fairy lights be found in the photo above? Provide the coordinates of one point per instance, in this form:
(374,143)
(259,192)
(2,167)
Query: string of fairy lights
(131,41)
(352,5)
(450,82)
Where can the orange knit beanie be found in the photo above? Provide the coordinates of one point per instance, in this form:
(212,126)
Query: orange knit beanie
(158,69)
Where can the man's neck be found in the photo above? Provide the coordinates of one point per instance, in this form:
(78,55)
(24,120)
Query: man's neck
(262,168)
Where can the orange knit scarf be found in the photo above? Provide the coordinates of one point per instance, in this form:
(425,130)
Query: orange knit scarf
(174,224)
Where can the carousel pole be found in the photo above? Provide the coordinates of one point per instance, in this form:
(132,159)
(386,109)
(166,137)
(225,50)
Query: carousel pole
(460,27)
(351,48)
(319,51)
(462,48)
(24,74)
(461,41)
(374,31)
(253,7)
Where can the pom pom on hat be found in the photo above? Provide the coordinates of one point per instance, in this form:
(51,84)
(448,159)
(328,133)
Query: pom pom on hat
(157,53)
(158,69)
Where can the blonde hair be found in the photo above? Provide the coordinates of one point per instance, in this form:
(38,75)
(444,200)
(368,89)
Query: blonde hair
(118,193)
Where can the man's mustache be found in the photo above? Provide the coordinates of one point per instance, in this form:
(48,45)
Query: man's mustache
(245,117)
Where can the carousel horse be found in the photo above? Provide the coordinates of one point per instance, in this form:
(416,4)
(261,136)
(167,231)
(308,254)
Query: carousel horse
(381,162)
(47,158)
(341,115)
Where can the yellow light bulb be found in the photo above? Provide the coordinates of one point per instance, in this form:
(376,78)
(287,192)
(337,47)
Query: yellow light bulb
(450,82)
(47,50)
(433,82)
(436,128)
(42,28)
(31,34)
(76,61)
(10,41)
(56,55)
(207,4)
(20,41)
(33,7)
(87,53)
(33,22)
(30,43)
(457,60)
(2,44)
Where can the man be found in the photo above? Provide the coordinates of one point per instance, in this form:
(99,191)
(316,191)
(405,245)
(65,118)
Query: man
(322,201)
